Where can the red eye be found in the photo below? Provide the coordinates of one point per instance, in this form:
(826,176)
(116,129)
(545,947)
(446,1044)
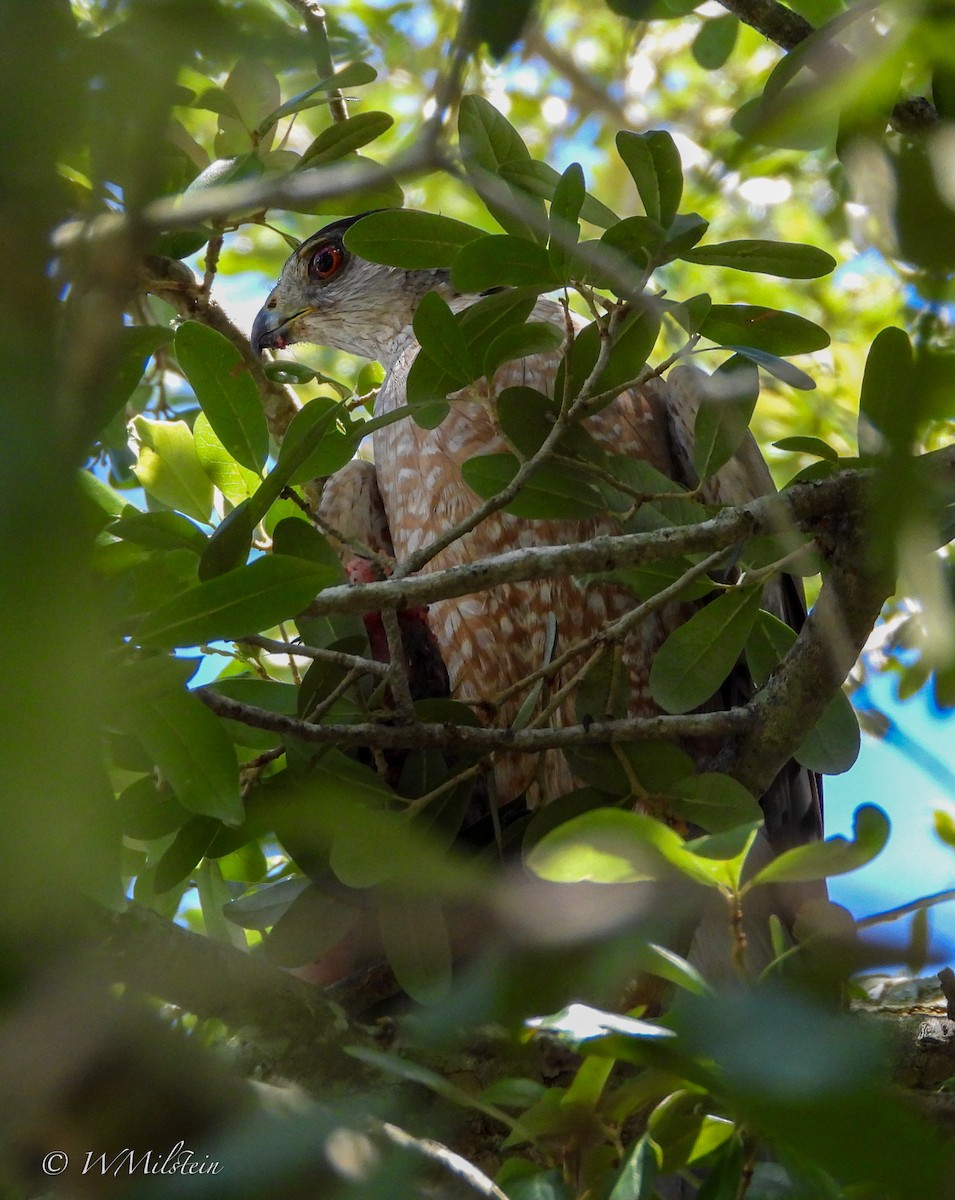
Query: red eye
(325,262)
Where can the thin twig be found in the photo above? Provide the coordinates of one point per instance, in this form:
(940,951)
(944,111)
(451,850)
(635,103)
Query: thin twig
(317,28)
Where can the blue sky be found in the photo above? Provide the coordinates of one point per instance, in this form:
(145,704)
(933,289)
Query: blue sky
(894,775)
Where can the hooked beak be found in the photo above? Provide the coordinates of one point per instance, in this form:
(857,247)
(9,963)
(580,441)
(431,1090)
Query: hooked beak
(271,329)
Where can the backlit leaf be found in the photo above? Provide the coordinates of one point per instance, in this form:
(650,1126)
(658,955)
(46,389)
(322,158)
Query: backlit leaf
(168,467)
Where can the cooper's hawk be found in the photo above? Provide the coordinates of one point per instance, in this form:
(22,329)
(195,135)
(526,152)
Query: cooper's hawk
(492,639)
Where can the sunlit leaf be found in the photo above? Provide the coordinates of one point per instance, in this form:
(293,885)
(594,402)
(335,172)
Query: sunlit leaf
(835,856)
(169,468)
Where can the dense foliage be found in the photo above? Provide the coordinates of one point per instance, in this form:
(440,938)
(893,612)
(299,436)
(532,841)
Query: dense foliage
(205,776)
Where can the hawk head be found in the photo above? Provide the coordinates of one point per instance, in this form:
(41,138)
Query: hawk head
(330,296)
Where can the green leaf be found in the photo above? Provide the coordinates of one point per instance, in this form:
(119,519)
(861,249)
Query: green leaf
(410,239)
(808,445)
(553,492)
(188,849)
(235,482)
(540,179)
(665,964)
(158,530)
(237,604)
(635,339)
(639,1170)
(137,343)
(696,658)
(230,544)
(502,260)
(781,333)
(320,439)
(415,938)
(168,467)
(778,367)
(192,750)
(683,232)
(714,43)
(352,75)
(835,856)
(885,385)
(521,341)
(722,420)
(480,324)
(344,137)
(224,387)
(565,209)
(607,845)
(488,140)
(713,801)
(146,813)
(639,238)
(442,339)
(497,23)
(654,163)
(832,745)
(789,260)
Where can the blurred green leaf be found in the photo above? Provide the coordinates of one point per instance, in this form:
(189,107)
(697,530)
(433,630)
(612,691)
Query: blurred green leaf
(415,938)
(885,392)
(639,1170)
(352,75)
(715,41)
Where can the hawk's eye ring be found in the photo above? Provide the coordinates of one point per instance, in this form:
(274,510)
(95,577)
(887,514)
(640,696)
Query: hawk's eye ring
(326,262)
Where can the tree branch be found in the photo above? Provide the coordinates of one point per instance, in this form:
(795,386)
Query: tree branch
(467,737)
(172,281)
(787,29)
